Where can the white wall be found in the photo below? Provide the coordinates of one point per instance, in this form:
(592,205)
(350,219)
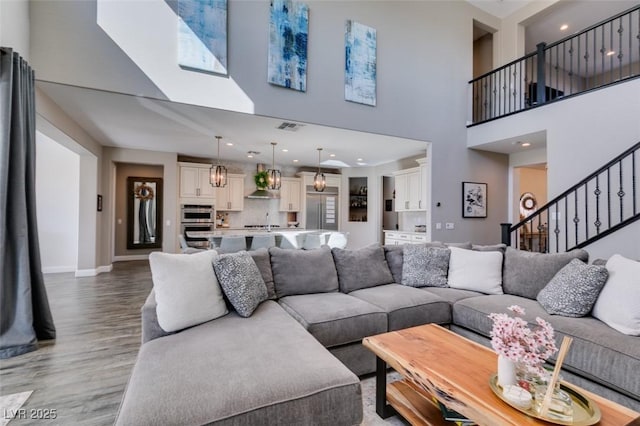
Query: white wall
(14,26)
(57,204)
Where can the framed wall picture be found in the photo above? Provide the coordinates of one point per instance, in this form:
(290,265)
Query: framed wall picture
(474,200)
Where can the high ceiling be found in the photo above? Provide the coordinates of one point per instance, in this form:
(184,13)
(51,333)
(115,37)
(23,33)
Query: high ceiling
(127,121)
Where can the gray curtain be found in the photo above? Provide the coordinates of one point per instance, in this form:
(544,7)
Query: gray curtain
(25,316)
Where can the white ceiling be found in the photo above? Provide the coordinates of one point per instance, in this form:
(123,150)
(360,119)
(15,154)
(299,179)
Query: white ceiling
(128,121)
(500,8)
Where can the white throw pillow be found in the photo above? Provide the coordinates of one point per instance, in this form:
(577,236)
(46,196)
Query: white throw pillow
(475,270)
(618,305)
(187,290)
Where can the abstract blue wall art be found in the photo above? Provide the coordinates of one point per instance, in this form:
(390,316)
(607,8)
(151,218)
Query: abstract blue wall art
(360,64)
(202,35)
(288,34)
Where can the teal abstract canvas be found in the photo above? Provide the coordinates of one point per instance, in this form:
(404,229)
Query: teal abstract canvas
(360,64)
(202,35)
(288,34)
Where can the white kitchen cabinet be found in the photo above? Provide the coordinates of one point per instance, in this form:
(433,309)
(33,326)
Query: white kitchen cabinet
(290,194)
(194,183)
(411,189)
(231,196)
(392,238)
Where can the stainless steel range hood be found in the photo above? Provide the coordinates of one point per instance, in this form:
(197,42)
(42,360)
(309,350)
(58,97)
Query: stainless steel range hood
(263,194)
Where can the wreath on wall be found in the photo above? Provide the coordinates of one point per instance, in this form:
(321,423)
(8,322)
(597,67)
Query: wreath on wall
(262,179)
(144,192)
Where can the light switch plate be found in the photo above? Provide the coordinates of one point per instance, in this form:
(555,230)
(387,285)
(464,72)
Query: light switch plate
(449,225)
(439,225)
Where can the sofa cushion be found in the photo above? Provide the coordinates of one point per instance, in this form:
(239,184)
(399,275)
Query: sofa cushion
(598,352)
(241,281)
(336,318)
(493,247)
(406,306)
(451,295)
(303,271)
(263,262)
(425,266)
(573,290)
(618,305)
(526,273)
(186,289)
(466,245)
(395,258)
(231,371)
(475,270)
(362,268)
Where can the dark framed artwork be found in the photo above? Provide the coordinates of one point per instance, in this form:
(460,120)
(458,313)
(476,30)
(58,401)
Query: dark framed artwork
(474,200)
(144,212)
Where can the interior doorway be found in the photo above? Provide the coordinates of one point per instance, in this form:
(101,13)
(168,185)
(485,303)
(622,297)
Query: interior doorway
(482,48)
(389,214)
(529,190)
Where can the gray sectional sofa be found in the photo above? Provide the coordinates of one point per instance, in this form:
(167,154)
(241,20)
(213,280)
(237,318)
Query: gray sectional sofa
(297,358)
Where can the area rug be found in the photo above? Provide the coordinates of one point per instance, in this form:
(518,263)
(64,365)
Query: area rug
(369,403)
(10,406)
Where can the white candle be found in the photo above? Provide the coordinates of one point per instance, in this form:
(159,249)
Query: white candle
(519,397)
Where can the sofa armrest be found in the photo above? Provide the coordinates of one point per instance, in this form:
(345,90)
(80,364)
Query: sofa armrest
(150,327)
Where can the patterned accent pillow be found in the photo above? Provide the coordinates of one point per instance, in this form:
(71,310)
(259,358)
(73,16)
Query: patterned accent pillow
(241,281)
(573,291)
(425,266)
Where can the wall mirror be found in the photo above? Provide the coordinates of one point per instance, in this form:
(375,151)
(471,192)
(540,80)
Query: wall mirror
(144,212)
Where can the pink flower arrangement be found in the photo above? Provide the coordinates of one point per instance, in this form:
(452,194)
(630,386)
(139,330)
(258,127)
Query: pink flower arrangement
(512,338)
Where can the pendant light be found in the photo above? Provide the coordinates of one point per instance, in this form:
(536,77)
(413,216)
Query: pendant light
(274,174)
(218,173)
(319,181)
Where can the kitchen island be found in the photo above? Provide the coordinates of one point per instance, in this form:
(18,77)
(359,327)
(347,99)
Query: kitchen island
(285,237)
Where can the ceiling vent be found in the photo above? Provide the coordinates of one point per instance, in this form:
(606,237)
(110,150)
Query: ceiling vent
(290,127)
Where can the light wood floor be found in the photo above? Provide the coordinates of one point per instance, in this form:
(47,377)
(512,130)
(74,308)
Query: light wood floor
(83,373)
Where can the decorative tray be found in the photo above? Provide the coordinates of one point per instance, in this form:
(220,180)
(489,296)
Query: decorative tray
(585,411)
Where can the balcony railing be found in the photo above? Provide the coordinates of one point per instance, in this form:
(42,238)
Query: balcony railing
(603,54)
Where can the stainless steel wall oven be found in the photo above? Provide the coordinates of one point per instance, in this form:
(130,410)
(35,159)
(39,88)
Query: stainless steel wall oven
(195,218)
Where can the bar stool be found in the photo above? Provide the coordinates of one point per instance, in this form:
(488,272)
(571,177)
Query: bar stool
(314,241)
(260,241)
(232,243)
(337,239)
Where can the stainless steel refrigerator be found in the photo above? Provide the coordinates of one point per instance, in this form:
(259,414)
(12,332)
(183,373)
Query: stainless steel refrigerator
(322,208)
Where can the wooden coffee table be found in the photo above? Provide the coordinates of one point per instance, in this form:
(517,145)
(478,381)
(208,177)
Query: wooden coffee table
(436,362)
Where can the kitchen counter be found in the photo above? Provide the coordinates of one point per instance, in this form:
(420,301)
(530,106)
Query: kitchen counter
(288,235)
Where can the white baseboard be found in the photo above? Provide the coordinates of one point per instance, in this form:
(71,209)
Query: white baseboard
(57,269)
(130,257)
(93,272)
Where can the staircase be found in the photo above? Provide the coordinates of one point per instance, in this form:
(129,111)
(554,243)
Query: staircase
(600,204)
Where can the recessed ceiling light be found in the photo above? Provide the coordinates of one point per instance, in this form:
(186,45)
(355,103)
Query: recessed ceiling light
(611,53)
(249,155)
(229,143)
(526,144)
(564,27)
(295,161)
(285,150)
(360,163)
(332,155)
(359,159)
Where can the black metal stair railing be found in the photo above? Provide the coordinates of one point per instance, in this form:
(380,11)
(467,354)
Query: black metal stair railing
(600,204)
(603,54)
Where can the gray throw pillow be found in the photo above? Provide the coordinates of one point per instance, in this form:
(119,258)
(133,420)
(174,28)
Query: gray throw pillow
(573,291)
(263,262)
(394,257)
(362,268)
(425,266)
(526,273)
(466,246)
(303,271)
(241,281)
